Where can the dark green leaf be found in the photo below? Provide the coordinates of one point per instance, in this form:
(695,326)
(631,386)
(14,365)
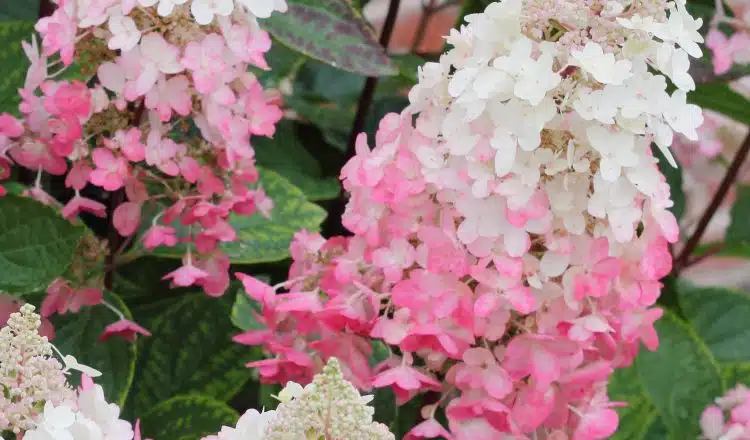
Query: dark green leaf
(680,378)
(286,155)
(719,317)
(263,240)
(719,97)
(191,351)
(657,430)
(739,227)
(36,244)
(13,62)
(77,335)
(187,417)
(674,179)
(331,31)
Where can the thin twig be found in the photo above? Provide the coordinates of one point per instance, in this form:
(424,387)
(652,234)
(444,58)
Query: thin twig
(427,11)
(708,253)
(724,187)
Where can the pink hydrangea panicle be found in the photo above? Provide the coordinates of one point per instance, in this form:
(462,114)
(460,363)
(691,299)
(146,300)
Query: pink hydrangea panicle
(510,226)
(728,417)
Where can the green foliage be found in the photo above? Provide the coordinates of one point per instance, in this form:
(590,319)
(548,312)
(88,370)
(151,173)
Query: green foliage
(674,179)
(77,335)
(191,351)
(36,244)
(719,97)
(286,155)
(680,354)
(13,62)
(331,31)
(245,312)
(187,417)
(739,228)
(264,240)
(719,317)
(18,10)
(676,382)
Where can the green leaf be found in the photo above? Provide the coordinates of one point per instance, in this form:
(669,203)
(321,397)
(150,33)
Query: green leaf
(19,10)
(635,418)
(719,317)
(264,240)
(680,378)
(739,227)
(77,335)
(13,62)
(719,97)
(331,31)
(286,155)
(245,312)
(735,374)
(674,179)
(36,244)
(188,417)
(191,351)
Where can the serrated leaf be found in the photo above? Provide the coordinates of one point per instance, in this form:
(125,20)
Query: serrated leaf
(77,335)
(331,31)
(13,62)
(719,317)
(188,417)
(720,98)
(263,240)
(286,155)
(36,244)
(739,227)
(191,351)
(680,378)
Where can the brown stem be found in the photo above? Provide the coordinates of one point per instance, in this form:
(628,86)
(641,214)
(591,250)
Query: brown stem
(726,184)
(709,253)
(427,11)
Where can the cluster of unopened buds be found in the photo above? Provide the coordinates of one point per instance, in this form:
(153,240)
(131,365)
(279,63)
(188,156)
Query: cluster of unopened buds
(510,227)
(150,72)
(729,418)
(329,407)
(37,402)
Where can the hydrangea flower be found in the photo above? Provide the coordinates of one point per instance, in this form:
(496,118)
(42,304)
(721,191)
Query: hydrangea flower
(510,226)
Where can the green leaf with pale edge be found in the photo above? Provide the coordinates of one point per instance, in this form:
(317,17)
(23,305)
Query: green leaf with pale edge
(719,317)
(187,417)
(191,351)
(739,227)
(36,244)
(680,378)
(625,386)
(263,240)
(13,62)
(720,98)
(331,31)
(77,335)
(286,155)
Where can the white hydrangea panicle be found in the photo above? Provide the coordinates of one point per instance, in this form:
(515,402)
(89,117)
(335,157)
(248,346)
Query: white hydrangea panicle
(37,401)
(329,407)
